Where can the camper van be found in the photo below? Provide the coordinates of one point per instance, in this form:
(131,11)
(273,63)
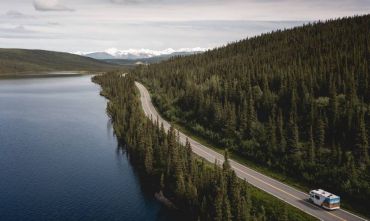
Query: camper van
(325,199)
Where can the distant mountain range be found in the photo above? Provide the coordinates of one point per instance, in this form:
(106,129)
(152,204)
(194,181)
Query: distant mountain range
(137,54)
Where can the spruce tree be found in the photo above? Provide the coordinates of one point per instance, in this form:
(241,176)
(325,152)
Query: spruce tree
(226,165)
(148,161)
(293,138)
(362,145)
(311,147)
(320,133)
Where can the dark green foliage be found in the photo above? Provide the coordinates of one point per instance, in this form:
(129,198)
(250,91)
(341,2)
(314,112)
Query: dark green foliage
(295,97)
(14,61)
(199,189)
(362,144)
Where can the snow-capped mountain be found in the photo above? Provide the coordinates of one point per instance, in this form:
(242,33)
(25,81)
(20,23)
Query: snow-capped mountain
(133,54)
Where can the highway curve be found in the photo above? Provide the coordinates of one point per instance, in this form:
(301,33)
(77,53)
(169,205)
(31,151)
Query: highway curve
(280,190)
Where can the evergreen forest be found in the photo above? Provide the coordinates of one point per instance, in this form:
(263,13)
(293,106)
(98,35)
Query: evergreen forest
(198,189)
(295,101)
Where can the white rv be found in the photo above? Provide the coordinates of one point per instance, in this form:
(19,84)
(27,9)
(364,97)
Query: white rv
(325,199)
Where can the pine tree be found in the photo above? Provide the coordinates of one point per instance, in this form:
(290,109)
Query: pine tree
(280,132)
(226,165)
(189,161)
(320,133)
(226,215)
(272,139)
(311,148)
(204,209)
(284,216)
(162,182)
(362,144)
(148,162)
(251,116)
(180,184)
(293,138)
(246,202)
(262,215)
(218,206)
(333,112)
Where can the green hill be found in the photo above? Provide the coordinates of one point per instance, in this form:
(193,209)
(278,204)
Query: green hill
(26,61)
(296,102)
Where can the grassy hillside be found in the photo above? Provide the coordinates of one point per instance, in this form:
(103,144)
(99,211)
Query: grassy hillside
(19,60)
(296,102)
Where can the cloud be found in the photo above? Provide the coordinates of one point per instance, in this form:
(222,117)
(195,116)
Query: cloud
(50,5)
(117,1)
(158,24)
(169,2)
(19,30)
(54,24)
(22,32)
(16,15)
(130,1)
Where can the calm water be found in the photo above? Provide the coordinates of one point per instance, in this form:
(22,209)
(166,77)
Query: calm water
(58,158)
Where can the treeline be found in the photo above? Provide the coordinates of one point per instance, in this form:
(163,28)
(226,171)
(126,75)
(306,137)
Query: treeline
(296,101)
(199,189)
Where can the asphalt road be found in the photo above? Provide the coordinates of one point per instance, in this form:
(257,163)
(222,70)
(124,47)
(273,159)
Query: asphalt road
(280,190)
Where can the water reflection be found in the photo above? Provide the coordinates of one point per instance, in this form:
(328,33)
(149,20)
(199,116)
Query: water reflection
(59,158)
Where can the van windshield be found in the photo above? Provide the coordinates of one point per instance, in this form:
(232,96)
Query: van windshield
(332,200)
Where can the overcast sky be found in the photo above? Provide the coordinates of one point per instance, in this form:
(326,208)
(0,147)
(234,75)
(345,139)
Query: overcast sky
(95,25)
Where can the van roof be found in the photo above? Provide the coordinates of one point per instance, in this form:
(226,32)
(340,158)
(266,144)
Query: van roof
(324,193)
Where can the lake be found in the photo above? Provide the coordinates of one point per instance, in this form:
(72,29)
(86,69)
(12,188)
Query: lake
(59,159)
